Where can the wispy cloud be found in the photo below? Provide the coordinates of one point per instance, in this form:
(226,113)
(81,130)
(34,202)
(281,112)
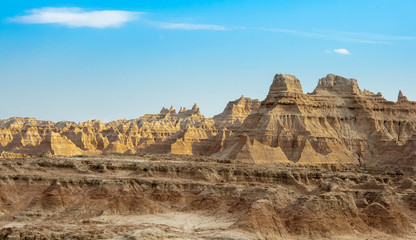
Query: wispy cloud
(343,36)
(342,51)
(189,26)
(369,36)
(77,17)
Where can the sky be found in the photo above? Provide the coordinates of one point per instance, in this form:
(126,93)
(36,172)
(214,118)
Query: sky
(99,59)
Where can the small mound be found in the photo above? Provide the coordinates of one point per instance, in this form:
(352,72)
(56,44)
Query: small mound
(61,198)
(385,220)
(324,215)
(262,219)
(407,183)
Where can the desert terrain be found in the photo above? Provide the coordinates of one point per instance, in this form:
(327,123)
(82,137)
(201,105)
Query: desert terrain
(179,197)
(337,163)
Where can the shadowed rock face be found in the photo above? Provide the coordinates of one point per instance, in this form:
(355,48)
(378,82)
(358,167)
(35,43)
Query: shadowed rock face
(337,123)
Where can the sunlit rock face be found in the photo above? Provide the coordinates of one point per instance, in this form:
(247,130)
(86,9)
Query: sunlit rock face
(336,123)
(236,112)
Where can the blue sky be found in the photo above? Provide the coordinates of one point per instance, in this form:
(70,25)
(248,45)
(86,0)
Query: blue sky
(79,60)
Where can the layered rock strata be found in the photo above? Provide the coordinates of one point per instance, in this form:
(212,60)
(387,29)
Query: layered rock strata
(336,123)
(236,112)
(187,197)
(166,132)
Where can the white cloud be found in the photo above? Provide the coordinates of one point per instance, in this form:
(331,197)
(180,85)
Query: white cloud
(190,26)
(77,17)
(342,51)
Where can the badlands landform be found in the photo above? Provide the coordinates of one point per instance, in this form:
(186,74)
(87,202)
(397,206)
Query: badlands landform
(337,163)
(337,123)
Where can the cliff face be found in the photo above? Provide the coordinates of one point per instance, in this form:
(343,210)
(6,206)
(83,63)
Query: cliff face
(337,123)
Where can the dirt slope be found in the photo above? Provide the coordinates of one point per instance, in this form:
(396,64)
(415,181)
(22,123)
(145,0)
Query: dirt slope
(179,197)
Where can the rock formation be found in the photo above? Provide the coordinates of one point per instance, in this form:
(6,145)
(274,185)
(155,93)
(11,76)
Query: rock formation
(189,197)
(337,163)
(401,97)
(166,132)
(336,123)
(236,112)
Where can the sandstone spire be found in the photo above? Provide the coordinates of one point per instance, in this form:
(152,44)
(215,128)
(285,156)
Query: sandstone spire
(197,111)
(172,110)
(183,109)
(195,107)
(401,97)
(164,110)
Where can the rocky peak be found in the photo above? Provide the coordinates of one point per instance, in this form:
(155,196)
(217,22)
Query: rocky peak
(182,109)
(197,111)
(195,107)
(338,84)
(164,110)
(194,110)
(167,111)
(335,126)
(236,111)
(285,83)
(401,97)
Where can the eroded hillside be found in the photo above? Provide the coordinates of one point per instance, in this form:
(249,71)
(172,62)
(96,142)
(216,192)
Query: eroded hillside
(179,197)
(336,123)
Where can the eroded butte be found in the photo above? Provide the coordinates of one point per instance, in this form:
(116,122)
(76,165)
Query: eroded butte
(337,163)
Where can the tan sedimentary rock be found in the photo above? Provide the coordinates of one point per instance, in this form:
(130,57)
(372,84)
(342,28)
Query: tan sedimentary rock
(401,97)
(336,123)
(54,144)
(5,137)
(5,154)
(188,197)
(171,132)
(236,112)
(263,219)
(166,132)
